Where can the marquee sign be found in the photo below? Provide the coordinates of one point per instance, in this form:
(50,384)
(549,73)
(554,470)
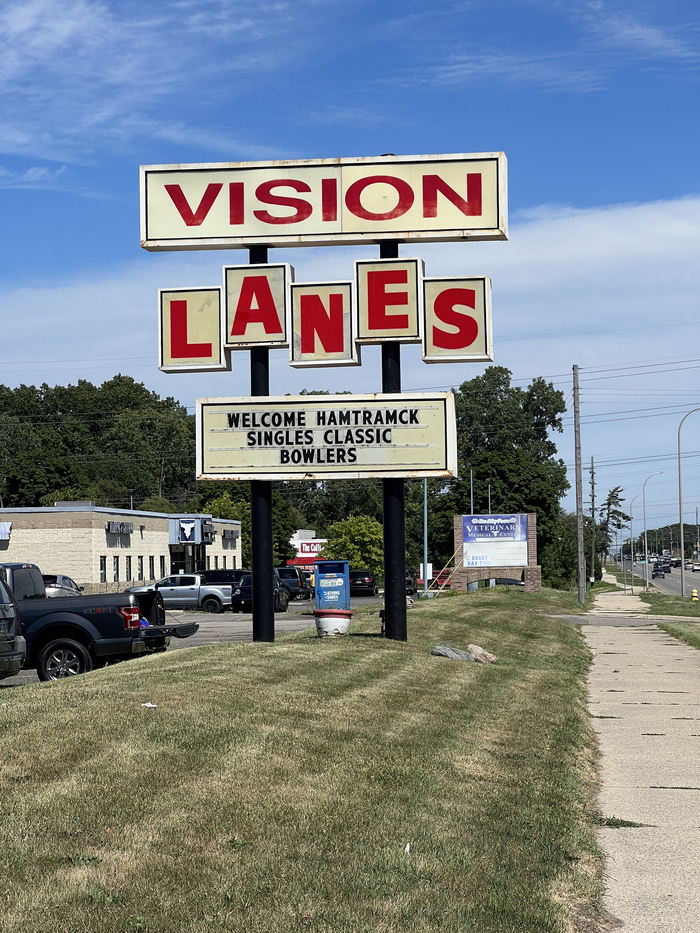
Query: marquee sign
(326,323)
(403,436)
(436,198)
(494,540)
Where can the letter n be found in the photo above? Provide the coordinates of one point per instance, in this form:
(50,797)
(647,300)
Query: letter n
(322,325)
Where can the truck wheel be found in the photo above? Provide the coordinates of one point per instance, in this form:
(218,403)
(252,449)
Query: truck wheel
(62,657)
(212,604)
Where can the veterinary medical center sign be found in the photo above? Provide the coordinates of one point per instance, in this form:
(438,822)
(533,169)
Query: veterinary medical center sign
(322,202)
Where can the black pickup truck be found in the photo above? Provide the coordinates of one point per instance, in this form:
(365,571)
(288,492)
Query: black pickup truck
(74,634)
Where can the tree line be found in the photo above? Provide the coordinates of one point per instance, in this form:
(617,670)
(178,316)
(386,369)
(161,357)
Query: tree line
(121,445)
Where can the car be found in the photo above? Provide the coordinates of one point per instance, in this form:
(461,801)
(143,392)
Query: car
(695,566)
(657,570)
(411,583)
(295,581)
(58,584)
(242,595)
(363,583)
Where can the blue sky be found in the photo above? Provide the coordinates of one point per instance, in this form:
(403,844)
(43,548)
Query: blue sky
(595,103)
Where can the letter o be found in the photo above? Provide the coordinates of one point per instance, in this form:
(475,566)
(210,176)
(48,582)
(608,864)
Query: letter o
(402,188)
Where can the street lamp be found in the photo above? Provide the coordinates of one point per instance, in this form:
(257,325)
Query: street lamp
(632,501)
(646,544)
(680,500)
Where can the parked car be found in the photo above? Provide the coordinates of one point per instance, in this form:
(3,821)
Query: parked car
(411,583)
(695,566)
(58,584)
(295,581)
(73,635)
(189,591)
(363,583)
(13,647)
(230,576)
(242,596)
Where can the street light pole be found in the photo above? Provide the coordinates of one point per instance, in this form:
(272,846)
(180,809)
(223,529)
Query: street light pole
(646,543)
(632,501)
(680,499)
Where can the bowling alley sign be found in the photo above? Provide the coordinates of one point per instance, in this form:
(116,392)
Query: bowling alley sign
(416,198)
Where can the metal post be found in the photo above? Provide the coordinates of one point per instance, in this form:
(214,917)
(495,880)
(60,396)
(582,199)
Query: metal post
(261,501)
(394,498)
(680,500)
(489,499)
(644,517)
(425,535)
(581,559)
(471,489)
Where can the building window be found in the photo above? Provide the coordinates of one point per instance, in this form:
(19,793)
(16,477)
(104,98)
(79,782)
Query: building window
(103,569)
(139,567)
(224,562)
(127,570)
(115,568)
(162,565)
(216,562)
(151,567)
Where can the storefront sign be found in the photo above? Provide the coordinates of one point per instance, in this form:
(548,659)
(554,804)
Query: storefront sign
(315,203)
(327,437)
(325,323)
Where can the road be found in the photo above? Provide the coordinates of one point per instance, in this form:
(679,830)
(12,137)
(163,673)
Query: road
(671,583)
(227,626)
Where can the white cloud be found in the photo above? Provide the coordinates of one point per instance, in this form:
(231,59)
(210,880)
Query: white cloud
(626,31)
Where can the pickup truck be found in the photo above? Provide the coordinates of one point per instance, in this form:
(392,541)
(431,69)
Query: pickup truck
(74,634)
(189,591)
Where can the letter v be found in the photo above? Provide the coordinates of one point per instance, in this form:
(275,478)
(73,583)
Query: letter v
(184,209)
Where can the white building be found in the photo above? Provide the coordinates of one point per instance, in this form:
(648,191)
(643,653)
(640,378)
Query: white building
(106,550)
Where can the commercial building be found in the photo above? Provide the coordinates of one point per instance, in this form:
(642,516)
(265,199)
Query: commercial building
(106,550)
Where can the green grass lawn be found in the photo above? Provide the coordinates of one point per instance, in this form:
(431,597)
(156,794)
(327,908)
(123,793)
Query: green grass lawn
(663,604)
(353,785)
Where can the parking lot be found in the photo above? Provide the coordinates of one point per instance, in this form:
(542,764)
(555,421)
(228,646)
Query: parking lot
(227,626)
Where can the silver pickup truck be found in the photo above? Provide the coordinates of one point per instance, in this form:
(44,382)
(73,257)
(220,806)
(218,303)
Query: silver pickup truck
(187,591)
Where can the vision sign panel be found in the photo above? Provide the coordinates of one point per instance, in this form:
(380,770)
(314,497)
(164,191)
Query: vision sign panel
(327,437)
(437,198)
(494,540)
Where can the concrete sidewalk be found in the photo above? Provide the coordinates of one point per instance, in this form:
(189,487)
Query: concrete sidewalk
(645,707)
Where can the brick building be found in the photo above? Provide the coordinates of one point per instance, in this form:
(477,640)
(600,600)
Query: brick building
(106,550)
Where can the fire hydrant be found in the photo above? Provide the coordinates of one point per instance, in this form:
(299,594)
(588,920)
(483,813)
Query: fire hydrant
(694,595)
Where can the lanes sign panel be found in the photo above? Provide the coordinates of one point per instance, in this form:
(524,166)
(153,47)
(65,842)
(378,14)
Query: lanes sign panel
(402,436)
(435,198)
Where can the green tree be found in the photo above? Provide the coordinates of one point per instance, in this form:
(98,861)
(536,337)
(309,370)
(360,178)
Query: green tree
(358,539)
(612,518)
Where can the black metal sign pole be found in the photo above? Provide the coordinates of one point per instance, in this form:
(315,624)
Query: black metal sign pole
(261,500)
(394,499)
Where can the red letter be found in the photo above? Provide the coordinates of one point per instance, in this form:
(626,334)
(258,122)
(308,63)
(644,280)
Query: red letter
(403,189)
(264,193)
(445,311)
(179,347)
(432,184)
(184,209)
(315,320)
(235,202)
(329,199)
(378,299)
(256,306)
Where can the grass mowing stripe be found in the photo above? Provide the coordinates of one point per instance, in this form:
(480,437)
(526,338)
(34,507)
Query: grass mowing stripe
(689,632)
(256,799)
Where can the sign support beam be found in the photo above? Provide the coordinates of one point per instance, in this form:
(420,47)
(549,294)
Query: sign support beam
(261,501)
(394,499)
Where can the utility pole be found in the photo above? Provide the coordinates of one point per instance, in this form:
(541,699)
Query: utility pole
(581,560)
(592,522)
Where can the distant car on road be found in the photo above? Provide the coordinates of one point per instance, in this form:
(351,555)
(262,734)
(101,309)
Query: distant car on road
(58,584)
(695,566)
(363,583)
(658,570)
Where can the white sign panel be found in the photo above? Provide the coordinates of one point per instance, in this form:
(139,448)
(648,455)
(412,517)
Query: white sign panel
(327,437)
(460,196)
(494,540)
